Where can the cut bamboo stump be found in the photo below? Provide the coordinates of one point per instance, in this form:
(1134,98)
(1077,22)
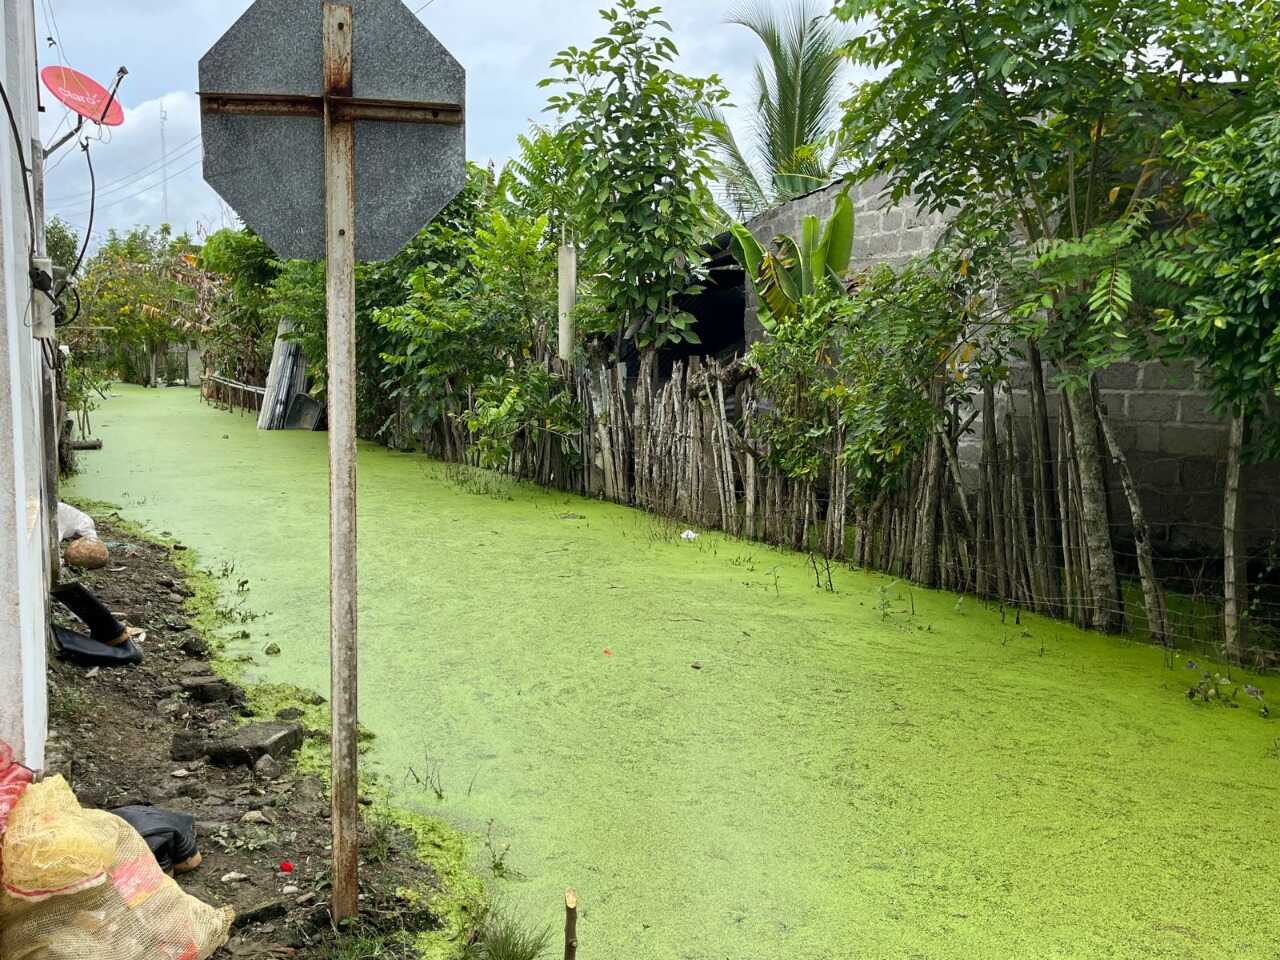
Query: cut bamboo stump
(570,925)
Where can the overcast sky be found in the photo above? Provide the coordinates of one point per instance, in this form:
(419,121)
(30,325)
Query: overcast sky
(505,46)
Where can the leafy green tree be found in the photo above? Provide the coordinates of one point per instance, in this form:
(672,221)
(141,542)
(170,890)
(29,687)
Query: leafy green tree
(442,248)
(795,371)
(1226,260)
(860,393)
(540,180)
(131,290)
(62,242)
(1043,119)
(898,371)
(239,336)
(794,99)
(516,413)
(644,203)
(866,364)
(297,295)
(473,345)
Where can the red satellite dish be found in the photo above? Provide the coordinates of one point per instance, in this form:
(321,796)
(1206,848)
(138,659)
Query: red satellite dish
(83,94)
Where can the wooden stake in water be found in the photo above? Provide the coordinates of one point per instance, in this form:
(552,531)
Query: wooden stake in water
(570,924)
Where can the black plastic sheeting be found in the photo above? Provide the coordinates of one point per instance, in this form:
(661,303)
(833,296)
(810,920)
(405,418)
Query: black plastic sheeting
(77,648)
(170,835)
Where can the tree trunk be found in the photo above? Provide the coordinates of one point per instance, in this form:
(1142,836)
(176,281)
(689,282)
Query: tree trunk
(1072,588)
(983,551)
(953,466)
(1106,611)
(998,577)
(1042,487)
(924,566)
(642,412)
(1153,598)
(1234,585)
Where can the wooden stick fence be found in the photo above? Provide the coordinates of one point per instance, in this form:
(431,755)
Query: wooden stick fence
(1006,524)
(232,393)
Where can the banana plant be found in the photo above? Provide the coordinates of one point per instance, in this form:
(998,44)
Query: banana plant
(797,267)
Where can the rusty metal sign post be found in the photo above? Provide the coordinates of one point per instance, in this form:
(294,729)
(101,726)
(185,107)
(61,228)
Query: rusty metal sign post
(229,149)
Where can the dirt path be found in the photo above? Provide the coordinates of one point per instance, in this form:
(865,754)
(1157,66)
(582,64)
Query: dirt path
(264,832)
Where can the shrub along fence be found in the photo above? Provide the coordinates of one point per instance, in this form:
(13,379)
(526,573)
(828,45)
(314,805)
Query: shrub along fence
(1003,522)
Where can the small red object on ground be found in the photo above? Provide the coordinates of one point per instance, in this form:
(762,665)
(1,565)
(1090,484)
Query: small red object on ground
(286,866)
(84,95)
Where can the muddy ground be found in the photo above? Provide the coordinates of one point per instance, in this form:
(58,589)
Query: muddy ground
(264,833)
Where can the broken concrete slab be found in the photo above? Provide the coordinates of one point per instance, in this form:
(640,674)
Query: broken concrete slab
(212,690)
(248,744)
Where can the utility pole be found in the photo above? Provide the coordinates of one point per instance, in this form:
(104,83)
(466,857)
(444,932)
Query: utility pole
(568,271)
(340,300)
(51,422)
(164,167)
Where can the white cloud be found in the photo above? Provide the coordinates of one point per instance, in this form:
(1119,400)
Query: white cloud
(130,175)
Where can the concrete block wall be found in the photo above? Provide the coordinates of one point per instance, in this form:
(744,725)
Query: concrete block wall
(1176,448)
(1161,413)
(880,236)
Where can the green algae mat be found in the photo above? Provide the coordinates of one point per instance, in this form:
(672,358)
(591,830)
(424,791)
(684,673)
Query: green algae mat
(875,773)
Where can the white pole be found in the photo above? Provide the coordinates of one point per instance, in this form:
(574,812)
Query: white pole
(340,296)
(568,299)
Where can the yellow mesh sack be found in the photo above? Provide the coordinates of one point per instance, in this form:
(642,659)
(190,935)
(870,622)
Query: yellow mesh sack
(51,847)
(132,912)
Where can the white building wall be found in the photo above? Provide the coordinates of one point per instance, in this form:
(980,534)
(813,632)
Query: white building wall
(24,577)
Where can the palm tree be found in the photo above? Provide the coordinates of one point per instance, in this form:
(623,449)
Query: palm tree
(796,92)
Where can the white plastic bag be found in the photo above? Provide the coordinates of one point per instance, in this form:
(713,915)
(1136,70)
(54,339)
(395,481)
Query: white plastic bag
(74,524)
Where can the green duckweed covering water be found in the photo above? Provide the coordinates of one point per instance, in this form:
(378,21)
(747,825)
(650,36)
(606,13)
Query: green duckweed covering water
(833,783)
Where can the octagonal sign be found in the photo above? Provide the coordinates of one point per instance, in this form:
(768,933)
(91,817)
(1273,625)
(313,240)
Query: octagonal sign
(262,120)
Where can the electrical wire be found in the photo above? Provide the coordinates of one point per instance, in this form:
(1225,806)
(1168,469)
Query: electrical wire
(121,183)
(54,36)
(93,198)
(22,158)
(51,19)
(75,292)
(132,177)
(147,189)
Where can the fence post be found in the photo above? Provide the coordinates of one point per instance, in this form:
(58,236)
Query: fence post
(568,299)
